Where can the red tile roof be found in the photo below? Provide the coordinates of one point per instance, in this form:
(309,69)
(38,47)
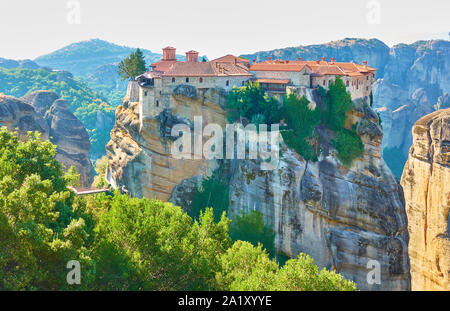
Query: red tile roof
(206,69)
(231,59)
(319,68)
(163,65)
(275,66)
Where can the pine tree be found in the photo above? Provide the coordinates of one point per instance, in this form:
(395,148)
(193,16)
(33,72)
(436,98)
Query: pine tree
(132,66)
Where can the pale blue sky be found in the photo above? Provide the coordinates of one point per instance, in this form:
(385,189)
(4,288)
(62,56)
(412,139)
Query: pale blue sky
(29,28)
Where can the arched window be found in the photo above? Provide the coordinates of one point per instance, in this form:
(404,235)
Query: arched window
(227,83)
(201,80)
(173,80)
(187,80)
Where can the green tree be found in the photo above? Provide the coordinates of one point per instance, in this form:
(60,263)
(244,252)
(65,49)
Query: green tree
(338,102)
(251,100)
(251,228)
(301,121)
(213,193)
(39,229)
(132,66)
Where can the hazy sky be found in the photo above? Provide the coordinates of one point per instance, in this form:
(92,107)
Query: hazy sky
(29,28)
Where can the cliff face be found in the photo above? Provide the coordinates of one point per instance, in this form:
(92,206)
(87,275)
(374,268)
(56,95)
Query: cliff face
(42,111)
(415,83)
(140,158)
(426,180)
(342,217)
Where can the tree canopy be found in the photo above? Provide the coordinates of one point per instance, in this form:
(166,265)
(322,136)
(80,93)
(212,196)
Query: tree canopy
(132,66)
(122,243)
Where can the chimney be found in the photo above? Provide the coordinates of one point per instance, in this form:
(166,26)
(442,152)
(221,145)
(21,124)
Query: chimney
(332,60)
(191,56)
(317,61)
(248,65)
(270,58)
(299,59)
(254,61)
(365,63)
(323,59)
(169,53)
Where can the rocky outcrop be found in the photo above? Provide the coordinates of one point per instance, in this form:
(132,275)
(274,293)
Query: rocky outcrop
(415,83)
(343,217)
(140,158)
(72,140)
(425,181)
(18,116)
(42,111)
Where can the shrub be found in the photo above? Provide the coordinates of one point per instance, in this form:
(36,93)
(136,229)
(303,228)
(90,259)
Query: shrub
(349,146)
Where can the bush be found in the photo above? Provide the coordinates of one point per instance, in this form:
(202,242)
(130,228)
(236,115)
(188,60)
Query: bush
(349,146)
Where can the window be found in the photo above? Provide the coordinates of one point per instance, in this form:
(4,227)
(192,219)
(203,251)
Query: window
(323,83)
(367,78)
(200,80)
(329,82)
(227,83)
(157,103)
(173,80)
(243,83)
(347,83)
(160,92)
(187,80)
(145,93)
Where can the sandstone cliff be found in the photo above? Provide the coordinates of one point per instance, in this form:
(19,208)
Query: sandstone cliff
(343,217)
(426,184)
(42,111)
(139,159)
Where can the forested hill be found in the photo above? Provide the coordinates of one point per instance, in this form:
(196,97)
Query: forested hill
(84,58)
(89,106)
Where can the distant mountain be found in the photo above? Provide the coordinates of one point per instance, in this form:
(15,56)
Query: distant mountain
(374,51)
(84,58)
(412,80)
(11,63)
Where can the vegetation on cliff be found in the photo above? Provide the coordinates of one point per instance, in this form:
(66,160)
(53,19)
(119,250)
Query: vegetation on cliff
(252,103)
(123,243)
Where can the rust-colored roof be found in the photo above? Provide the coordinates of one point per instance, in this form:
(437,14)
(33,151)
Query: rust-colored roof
(277,67)
(206,69)
(231,59)
(163,65)
(319,67)
(273,81)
